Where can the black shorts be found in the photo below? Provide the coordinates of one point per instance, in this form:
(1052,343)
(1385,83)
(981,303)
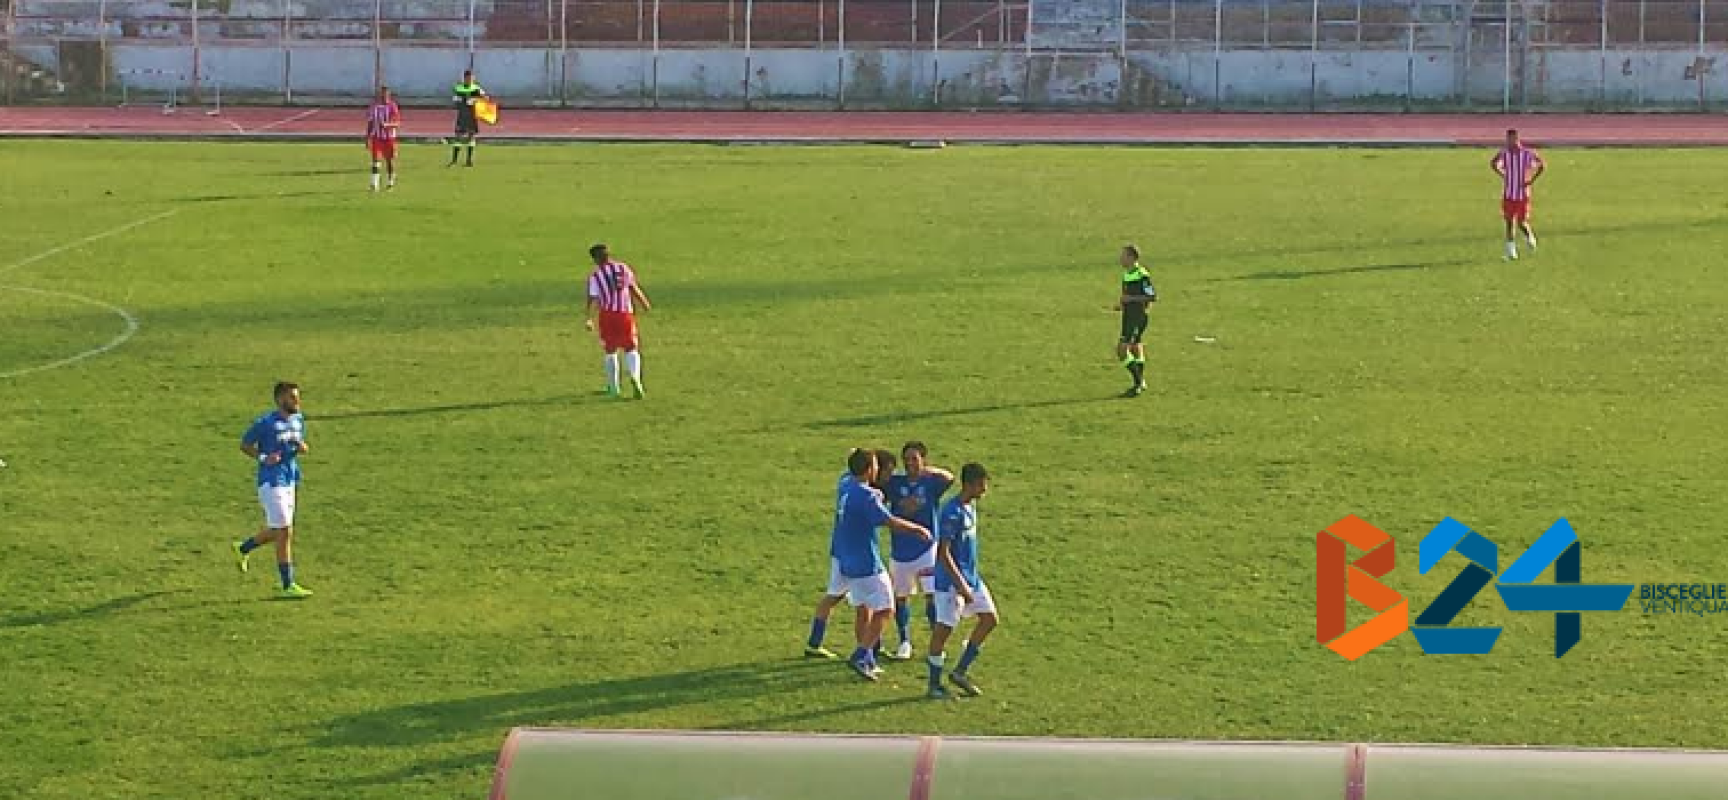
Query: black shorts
(467,125)
(1133,327)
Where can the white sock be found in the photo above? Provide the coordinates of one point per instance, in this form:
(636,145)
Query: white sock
(1530,236)
(633,362)
(392,179)
(1511,249)
(612,370)
(374,180)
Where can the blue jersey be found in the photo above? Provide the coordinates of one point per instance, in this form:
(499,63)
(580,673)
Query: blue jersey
(926,493)
(959,528)
(834,535)
(858,513)
(273,433)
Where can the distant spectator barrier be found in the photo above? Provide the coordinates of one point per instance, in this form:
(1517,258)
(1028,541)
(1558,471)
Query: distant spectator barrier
(541,764)
(1222,54)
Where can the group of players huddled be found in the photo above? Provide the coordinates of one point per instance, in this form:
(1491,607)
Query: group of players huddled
(933,550)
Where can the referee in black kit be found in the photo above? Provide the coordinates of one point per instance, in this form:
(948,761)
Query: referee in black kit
(463,95)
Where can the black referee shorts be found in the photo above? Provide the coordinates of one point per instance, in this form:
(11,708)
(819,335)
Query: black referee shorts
(467,125)
(1133,327)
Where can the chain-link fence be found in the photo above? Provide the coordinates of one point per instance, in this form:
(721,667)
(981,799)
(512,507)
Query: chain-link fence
(1314,54)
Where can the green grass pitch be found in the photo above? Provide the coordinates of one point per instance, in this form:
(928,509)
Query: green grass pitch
(493,545)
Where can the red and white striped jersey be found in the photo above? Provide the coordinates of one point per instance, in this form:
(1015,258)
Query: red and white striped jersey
(382,119)
(609,286)
(1517,165)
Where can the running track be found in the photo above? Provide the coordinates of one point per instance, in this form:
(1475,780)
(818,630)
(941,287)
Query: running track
(889,127)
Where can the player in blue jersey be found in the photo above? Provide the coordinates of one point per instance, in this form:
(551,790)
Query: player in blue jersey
(276,441)
(831,598)
(960,589)
(855,567)
(825,607)
(914,495)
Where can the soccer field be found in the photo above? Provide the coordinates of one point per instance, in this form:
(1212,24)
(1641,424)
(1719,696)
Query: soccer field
(492,544)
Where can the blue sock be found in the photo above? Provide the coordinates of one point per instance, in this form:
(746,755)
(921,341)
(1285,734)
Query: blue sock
(930,610)
(903,620)
(861,655)
(249,545)
(935,663)
(818,631)
(967,658)
(287,572)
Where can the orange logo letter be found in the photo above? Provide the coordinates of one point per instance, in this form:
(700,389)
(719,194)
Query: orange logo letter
(1338,578)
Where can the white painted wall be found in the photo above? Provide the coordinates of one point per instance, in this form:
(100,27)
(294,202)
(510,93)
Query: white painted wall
(907,77)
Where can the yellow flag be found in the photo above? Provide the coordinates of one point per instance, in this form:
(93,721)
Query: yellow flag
(486,111)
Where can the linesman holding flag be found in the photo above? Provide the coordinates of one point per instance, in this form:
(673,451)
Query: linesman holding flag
(465,96)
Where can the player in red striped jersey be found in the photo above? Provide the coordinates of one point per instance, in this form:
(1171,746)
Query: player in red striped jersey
(1518,167)
(612,289)
(382,120)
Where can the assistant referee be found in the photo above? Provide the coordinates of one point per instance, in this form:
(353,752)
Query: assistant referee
(463,96)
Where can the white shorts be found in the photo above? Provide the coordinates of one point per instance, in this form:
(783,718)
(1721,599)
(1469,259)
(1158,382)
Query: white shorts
(873,592)
(278,502)
(912,577)
(950,609)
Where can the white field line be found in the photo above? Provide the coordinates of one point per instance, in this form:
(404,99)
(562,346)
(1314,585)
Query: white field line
(131,321)
(284,121)
(94,237)
(131,328)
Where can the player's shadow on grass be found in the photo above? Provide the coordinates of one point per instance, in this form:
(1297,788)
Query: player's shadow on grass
(457,408)
(306,173)
(1293,274)
(919,416)
(102,609)
(576,704)
(222,198)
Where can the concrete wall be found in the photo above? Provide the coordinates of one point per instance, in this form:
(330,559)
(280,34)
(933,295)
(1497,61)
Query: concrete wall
(912,78)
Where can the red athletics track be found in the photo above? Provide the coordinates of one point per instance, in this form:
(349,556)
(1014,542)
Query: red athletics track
(897,127)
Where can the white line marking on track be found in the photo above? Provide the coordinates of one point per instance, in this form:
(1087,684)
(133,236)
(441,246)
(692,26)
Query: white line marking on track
(287,120)
(131,328)
(94,237)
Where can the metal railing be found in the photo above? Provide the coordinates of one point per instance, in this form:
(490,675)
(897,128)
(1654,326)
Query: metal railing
(1316,54)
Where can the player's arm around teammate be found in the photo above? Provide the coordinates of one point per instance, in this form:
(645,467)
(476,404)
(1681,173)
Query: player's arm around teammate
(916,495)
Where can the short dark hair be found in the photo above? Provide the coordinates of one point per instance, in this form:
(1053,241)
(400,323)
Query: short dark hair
(859,460)
(973,472)
(1511,131)
(886,460)
(1131,250)
(915,446)
(599,253)
(284,387)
